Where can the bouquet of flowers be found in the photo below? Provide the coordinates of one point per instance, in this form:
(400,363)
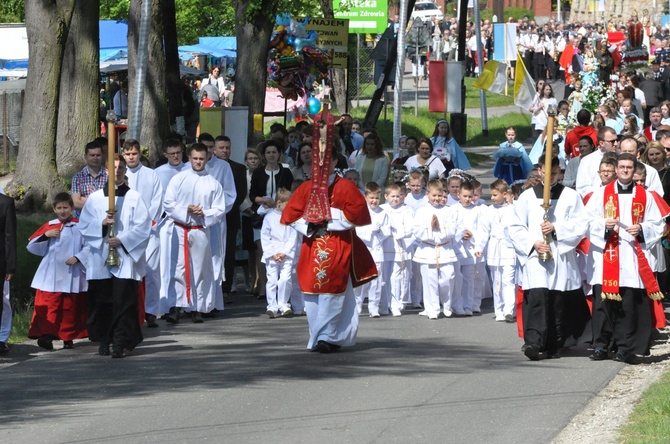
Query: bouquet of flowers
(595,95)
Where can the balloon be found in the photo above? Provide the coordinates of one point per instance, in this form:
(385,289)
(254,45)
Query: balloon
(313,105)
(290,40)
(281,28)
(283,19)
(298,29)
(312,35)
(304,43)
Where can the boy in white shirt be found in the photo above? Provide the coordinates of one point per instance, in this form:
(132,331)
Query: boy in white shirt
(499,251)
(464,298)
(373,237)
(435,229)
(397,257)
(415,199)
(279,247)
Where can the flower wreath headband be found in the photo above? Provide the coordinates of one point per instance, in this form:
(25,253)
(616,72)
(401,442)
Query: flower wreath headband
(465,177)
(343,172)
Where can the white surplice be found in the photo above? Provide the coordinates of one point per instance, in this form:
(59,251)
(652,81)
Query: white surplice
(560,273)
(132,226)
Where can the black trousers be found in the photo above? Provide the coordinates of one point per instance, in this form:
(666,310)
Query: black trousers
(112,312)
(623,325)
(553,319)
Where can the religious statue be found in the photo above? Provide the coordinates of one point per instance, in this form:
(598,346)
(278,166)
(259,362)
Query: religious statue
(635,32)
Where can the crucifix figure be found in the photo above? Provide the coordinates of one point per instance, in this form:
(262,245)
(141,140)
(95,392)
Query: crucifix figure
(610,208)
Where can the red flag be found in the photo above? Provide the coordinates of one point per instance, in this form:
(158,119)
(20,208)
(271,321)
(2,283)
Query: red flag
(436,93)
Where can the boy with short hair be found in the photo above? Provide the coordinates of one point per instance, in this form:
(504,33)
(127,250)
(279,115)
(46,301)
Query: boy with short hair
(417,196)
(397,253)
(435,229)
(373,237)
(60,279)
(499,251)
(468,251)
(279,253)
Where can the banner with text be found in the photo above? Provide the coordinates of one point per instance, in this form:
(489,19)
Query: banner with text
(365,16)
(333,36)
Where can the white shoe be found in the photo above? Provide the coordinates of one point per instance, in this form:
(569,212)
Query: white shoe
(433,316)
(467,312)
(396,312)
(458,312)
(500,318)
(375,315)
(288,312)
(423,313)
(447,313)
(271,314)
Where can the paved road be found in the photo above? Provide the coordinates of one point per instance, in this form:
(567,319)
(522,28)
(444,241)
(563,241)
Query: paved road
(245,378)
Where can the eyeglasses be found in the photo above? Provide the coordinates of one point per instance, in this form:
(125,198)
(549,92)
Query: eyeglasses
(178,153)
(611,140)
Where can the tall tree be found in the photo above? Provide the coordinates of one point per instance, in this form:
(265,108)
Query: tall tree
(155,124)
(52,26)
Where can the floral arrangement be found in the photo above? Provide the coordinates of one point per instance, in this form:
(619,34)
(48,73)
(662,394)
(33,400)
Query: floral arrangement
(595,95)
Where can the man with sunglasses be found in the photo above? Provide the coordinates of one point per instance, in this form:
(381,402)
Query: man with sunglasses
(587,174)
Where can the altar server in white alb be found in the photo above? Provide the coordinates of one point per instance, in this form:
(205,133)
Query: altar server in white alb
(397,248)
(279,253)
(373,236)
(554,307)
(499,251)
(624,224)
(146,182)
(436,228)
(194,203)
(113,312)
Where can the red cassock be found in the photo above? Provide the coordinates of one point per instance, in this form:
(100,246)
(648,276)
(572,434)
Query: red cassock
(326,262)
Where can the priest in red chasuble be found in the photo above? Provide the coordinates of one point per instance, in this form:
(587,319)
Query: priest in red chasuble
(333,260)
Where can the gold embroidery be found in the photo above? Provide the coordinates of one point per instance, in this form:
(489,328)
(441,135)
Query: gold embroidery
(322,259)
(610,208)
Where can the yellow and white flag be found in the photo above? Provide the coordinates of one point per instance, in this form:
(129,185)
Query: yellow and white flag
(524,86)
(492,78)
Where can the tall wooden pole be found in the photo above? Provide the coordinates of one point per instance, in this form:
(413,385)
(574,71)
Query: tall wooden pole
(548,157)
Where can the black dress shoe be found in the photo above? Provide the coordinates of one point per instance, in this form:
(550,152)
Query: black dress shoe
(4,349)
(334,347)
(622,357)
(532,353)
(151,320)
(68,345)
(103,349)
(45,342)
(598,355)
(322,347)
(117,352)
(196,317)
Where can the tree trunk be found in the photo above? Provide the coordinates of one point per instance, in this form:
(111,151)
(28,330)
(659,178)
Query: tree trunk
(173,79)
(79,105)
(36,179)
(253,36)
(338,80)
(155,124)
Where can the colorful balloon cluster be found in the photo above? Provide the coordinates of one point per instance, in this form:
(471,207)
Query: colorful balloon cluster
(295,64)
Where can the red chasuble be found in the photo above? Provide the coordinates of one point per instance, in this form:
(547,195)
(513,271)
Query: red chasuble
(326,262)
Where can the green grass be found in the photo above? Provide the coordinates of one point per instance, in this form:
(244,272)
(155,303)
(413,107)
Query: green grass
(492,100)
(650,420)
(424,125)
(20,324)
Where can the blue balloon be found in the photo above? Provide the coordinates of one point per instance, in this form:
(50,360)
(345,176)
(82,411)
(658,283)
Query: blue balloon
(312,35)
(290,40)
(283,19)
(313,105)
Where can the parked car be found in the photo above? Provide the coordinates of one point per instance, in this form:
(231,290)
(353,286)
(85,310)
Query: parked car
(426,10)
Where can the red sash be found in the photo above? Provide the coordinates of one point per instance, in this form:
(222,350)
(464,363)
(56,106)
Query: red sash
(611,264)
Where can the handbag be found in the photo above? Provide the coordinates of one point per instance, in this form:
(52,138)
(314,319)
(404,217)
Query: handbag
(255,218)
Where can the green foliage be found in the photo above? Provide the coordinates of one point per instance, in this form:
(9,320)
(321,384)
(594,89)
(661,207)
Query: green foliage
(114,9)
(650,420)
(21,318)
(12,11)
